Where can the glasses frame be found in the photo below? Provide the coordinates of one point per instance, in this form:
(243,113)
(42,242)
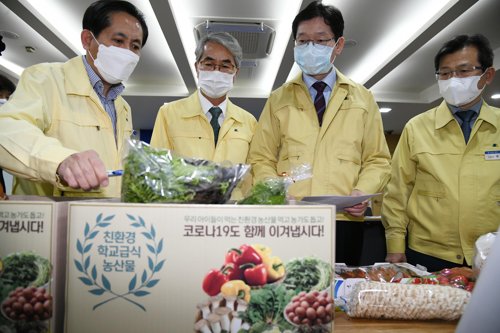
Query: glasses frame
(322,42)
(460,73)
(210,65)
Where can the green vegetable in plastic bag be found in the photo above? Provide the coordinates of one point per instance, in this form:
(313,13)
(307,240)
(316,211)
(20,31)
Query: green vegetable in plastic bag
(271,191)
(157,175)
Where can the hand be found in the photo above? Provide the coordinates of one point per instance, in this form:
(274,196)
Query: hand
(84,171)
(395,257)
(359,209)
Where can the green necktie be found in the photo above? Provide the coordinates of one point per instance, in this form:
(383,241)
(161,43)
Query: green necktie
(215,112)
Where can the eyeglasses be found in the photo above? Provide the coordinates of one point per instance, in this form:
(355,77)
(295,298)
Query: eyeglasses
(225,67)
(300,42)
(445,74)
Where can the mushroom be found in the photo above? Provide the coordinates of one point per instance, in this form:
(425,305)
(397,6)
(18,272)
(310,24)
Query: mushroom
(224,312)
(235,322)
(230,300)
(214,321)
(204,308)
(241,306)
(202,326)
(215,301)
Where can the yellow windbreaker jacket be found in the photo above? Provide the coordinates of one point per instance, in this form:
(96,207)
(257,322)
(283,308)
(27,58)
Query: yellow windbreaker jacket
(348,152)
(182,127)
(54,113)
(446,192)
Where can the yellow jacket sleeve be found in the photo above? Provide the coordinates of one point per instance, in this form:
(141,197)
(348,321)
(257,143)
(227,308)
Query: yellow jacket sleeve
(397,194)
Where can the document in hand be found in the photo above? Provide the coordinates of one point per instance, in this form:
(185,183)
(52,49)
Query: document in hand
(339,201)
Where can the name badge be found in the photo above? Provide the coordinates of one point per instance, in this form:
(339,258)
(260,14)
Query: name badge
(492,155)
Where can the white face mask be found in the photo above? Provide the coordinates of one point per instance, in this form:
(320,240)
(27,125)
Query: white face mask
(214,83)
(115,64)
(2,101)
(314,59)
(460,91)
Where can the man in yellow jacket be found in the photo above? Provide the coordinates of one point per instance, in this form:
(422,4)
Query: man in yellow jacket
(7,88)
(207,124)
(445,187)
(322,119)
(67,123)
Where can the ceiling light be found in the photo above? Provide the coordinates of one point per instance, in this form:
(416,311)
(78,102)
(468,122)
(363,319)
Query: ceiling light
(495,96)
(10,67)
(9,34)
(385,110)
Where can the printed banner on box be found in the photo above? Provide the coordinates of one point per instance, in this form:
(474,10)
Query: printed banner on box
(199,268)
(25,266)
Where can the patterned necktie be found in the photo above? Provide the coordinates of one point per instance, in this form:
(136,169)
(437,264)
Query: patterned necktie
(466,117)
(319,101)
(215,112)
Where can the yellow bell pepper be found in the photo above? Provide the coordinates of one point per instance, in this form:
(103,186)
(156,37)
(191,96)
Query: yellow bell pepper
(274,265)
(263,250)
(236,288)
(275,268)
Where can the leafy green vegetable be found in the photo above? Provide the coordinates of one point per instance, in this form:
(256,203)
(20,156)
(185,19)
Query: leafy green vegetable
(306,274)
(266,308)
(156,175)
(271,191)
(25,269)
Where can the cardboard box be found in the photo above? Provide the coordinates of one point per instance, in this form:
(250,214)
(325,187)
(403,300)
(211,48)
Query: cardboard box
(32,240)
(140,268)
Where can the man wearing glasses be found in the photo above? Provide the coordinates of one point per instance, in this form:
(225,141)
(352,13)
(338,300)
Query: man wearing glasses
(445,185)
(207,124)
(323,119)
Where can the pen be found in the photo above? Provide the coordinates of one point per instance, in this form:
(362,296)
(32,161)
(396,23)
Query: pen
(113,173)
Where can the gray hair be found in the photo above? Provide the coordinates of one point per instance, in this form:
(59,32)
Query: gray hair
(224,39)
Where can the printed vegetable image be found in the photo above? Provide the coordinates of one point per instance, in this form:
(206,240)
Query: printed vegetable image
(310,309)
(25,303)
(255,275)
(307,274)
(214,280)
(157,175)
(252,264)
(266,308)
(25,269)
(28,304)
(237,289)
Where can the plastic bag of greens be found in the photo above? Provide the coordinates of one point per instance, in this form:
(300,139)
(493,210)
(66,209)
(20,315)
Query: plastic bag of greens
(273,191)
(158,175)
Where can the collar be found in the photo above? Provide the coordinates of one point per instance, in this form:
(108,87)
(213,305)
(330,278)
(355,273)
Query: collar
(206,104)
(476,107)
(444,116)
(98,85)
(329,79)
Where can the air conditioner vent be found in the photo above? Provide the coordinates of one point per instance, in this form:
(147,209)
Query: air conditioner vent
(256,39)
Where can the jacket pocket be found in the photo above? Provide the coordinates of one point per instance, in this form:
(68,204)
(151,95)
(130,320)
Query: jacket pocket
(289,160)
(349,158)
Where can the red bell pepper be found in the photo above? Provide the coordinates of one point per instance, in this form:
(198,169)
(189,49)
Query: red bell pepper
(214,280)
(255,275)
(243,255)
(234,272)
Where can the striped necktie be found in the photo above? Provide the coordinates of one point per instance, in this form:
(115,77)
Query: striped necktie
(466,117)
(319,101)
(215,112)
